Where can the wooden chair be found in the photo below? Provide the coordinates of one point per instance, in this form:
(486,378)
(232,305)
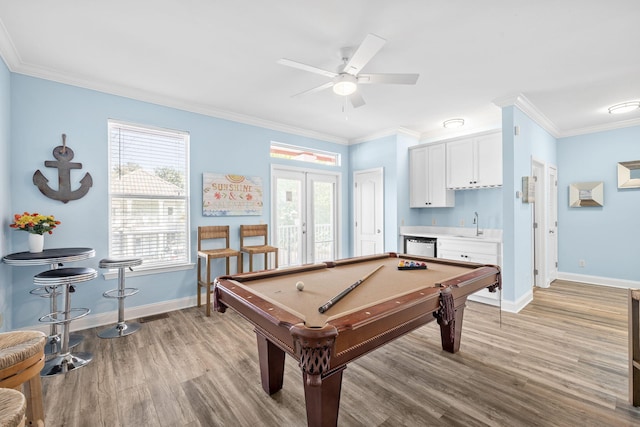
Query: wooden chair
(213,232)
(634,346)
(21,360)
(256,231)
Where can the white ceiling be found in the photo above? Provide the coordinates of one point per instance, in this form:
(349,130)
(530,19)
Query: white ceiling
(570,59)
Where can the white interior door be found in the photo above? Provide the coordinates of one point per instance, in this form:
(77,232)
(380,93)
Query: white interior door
(539,270)
(304,211)
(368,212)
(552,236)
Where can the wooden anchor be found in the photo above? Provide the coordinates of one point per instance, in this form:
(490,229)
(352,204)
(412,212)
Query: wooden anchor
(63,155)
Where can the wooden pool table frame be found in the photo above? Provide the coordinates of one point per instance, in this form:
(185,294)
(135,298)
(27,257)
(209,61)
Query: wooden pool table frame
(323,352)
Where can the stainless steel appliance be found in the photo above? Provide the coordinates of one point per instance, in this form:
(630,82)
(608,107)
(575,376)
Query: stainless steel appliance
(423,246)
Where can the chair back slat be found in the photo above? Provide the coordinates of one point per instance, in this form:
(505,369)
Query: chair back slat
(253,231)
(213,232)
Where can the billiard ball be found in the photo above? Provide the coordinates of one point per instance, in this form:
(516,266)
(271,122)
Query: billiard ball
(300,286)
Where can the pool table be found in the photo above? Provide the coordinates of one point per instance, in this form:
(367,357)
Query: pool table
(388,304)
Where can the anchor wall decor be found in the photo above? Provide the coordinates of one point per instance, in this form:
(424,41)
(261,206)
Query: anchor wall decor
(63,155)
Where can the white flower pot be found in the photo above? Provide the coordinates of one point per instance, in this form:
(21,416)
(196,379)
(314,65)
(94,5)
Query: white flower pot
(36,242)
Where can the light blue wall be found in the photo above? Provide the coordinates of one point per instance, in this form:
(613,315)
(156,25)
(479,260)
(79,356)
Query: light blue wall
(606,237)
(381,152)
(42,110)
(518,151)
(5,189)
(405,216)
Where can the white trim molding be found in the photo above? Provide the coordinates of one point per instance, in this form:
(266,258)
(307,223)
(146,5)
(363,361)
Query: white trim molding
(530,110)
(597,280)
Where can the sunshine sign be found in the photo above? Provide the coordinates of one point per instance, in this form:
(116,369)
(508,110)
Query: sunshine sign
(227,195)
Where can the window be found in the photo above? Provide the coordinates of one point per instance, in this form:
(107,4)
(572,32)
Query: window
(149,194)
(292,152)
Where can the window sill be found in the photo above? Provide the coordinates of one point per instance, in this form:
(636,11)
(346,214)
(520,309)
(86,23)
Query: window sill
(113,273)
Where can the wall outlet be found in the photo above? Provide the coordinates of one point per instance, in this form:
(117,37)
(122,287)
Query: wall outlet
(462,223)
(581,263)
(402,222)
(433,221)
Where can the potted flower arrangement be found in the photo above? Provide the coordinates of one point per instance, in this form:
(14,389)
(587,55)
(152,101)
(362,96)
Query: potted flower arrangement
(36,225)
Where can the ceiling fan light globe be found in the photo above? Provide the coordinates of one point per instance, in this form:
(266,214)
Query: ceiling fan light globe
(345,84)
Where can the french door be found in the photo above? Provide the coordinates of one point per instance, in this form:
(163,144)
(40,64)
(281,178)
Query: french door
(305,212)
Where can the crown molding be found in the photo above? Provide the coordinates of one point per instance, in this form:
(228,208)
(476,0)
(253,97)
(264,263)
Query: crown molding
(385,132)
(601,128)
(530,110)
(8,51)
(145,96)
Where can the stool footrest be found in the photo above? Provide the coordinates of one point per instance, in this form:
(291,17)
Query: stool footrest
(46,291)
(58,317)
(116,293)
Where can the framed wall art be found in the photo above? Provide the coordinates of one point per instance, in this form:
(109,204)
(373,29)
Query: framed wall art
(582,194)
(231,195)
(629,174)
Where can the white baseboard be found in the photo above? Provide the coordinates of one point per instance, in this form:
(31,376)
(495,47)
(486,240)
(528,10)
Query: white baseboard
(597,280)
(486,297)
(111,317)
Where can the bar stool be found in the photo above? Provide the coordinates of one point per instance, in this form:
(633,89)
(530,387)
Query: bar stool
(54,342)
(21,360)
(122,328)
(212,232)
(13,407)
(65,361)
(260,230)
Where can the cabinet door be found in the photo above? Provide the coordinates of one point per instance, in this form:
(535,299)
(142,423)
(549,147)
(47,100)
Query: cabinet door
(418,194)
(460,164)
(489,152)
(438,194)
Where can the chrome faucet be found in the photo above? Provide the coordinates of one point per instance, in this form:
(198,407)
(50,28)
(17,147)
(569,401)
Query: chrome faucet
(476,221)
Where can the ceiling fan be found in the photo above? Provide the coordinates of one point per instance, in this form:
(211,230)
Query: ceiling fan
(346,80)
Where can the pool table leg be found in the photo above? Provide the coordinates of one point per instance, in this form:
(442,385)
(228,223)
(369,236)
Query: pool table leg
(451,332)
(271,364)
(323,401)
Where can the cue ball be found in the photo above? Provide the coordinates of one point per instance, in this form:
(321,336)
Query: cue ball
(300,286)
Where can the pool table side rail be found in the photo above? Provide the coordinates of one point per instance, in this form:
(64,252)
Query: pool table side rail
(485,276)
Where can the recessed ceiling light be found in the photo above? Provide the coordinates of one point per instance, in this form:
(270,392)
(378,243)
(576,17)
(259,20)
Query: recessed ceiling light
(453,123)
(625,107)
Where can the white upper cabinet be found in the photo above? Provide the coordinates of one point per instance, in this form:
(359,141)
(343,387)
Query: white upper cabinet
(427,177)
(475,162)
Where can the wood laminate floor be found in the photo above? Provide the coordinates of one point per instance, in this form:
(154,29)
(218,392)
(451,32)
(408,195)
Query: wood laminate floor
(562,361)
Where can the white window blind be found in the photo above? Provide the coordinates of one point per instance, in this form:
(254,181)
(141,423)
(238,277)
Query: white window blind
(149,194)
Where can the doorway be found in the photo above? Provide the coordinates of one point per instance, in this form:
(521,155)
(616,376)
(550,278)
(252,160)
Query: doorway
(545,224)
(537,172)
(305,207)
(368,212)
(552,253)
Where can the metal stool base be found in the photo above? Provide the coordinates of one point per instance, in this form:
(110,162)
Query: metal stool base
(120,330)
(64,363)
(54,343)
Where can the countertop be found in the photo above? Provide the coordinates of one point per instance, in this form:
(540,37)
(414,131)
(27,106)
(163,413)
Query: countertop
(454,233)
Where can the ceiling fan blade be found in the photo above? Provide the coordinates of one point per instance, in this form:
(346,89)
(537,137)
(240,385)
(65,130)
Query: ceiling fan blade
(356,99)
(367,50)
(305,67)
(314,90)
(398,79)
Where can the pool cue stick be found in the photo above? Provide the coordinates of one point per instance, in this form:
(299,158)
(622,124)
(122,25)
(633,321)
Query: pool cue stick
(338,297)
